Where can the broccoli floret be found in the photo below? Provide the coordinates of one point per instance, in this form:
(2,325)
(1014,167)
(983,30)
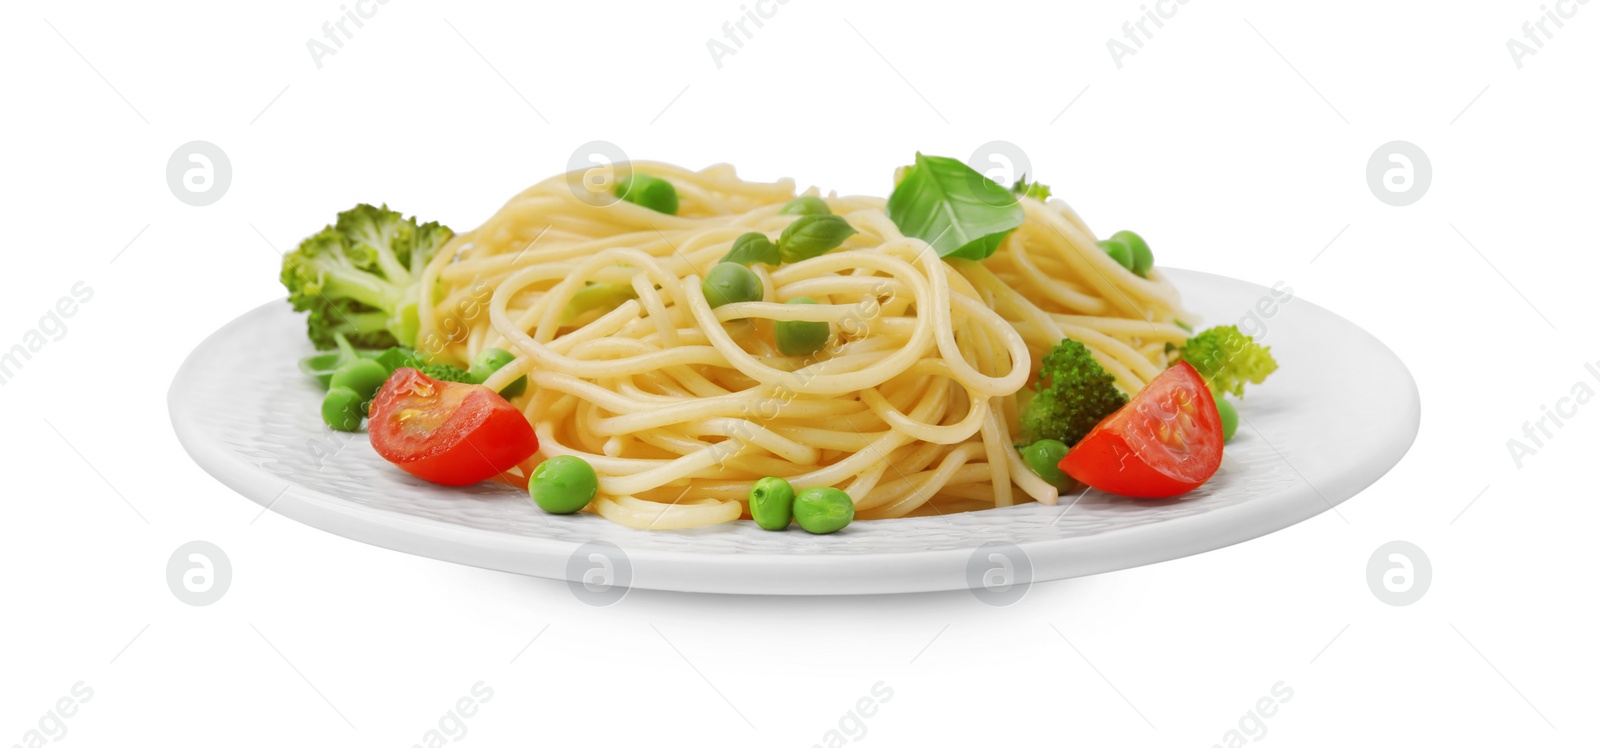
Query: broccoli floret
(1227,358)
(359,277)
(447,373)
(1072,394)
(1035,190)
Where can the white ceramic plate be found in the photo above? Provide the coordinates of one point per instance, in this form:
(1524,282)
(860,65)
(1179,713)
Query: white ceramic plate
(1339,413)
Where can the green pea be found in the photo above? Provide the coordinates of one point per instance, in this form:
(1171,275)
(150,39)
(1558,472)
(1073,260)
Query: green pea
(649,192)
(1044,459)
(728,283)
(489,361)
(343,408)
(1229,416)
(1143,259)
(1119,251)
(807,205)
(363,375)
(563,485)
(821,509)
(772,503)
(801,338)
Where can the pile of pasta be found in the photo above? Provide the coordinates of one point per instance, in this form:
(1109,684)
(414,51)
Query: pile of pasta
(680,407)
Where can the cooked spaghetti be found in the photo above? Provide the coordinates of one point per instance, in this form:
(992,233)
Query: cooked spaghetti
(680,406)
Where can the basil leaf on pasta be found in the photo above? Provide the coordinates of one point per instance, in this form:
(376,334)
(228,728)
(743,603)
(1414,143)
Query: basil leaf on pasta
(954,208)
(752,248)
(813,235)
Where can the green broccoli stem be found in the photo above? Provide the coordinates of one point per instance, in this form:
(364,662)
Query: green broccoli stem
(404,323)
(347,352)
(362,322)
(363,287)
(393,269)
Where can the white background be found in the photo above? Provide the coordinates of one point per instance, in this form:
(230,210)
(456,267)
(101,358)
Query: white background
(1236,140)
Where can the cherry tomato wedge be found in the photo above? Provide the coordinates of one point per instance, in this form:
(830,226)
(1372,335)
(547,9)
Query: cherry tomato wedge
(1163,443)
(447,432)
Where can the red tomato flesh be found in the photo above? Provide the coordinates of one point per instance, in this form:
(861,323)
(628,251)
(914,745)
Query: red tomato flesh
(446,432)
(1165,442)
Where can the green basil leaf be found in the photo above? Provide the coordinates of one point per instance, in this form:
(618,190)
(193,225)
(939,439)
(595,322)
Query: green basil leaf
(947,204)
(808,205)
(752,248)
(811,236)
